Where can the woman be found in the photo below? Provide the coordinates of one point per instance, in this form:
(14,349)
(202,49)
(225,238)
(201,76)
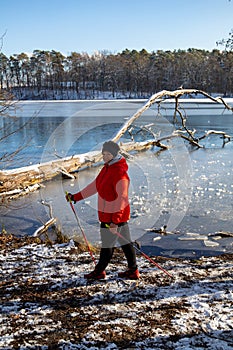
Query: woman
(112,185)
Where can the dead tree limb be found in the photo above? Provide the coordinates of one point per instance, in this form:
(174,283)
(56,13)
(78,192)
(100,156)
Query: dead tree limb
(160,97)
(225,136)
(44,228)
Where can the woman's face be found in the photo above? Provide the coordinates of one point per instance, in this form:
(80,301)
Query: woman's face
(107,156)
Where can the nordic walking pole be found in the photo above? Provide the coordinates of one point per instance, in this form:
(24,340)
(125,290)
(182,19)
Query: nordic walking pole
(141,252)
(81,229)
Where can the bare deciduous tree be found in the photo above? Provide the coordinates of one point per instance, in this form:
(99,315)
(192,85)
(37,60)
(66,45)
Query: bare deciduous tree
(228,43)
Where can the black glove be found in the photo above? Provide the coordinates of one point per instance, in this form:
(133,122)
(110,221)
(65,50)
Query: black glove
(70,197)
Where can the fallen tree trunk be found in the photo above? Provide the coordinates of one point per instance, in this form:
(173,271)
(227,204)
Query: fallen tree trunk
(22,178)
(26,179)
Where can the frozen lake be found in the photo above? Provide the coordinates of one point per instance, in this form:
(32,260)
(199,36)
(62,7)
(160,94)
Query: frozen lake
(187,189)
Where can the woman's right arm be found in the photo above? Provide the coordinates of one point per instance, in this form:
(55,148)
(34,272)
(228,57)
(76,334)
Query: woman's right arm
(87,191)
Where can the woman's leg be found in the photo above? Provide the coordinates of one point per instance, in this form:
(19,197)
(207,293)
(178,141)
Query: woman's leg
(127,247)
(108,242)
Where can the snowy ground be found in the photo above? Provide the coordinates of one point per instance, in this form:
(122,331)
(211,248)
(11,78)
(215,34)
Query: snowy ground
(47,304)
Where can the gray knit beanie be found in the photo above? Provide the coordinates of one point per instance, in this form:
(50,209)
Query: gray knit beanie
(111,147)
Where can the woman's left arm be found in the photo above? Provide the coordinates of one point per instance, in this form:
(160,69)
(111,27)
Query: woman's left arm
(122,200)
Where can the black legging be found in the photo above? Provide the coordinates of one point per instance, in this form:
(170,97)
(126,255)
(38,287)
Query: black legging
(109,240)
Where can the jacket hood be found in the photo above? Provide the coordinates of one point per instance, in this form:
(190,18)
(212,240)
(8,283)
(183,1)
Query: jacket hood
(119,160)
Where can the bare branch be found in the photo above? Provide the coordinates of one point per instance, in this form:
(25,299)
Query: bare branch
(226,138)
(160,97)
(2,40)
(44,228)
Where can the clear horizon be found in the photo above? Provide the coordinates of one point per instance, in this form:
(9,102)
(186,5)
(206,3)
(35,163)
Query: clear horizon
(113,26)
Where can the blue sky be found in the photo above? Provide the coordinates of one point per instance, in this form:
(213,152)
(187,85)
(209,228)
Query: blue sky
(113,25)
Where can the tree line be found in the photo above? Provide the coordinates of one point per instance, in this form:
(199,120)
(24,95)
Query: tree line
(131,73)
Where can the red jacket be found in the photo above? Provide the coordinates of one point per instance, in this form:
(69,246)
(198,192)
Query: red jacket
(112,185)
